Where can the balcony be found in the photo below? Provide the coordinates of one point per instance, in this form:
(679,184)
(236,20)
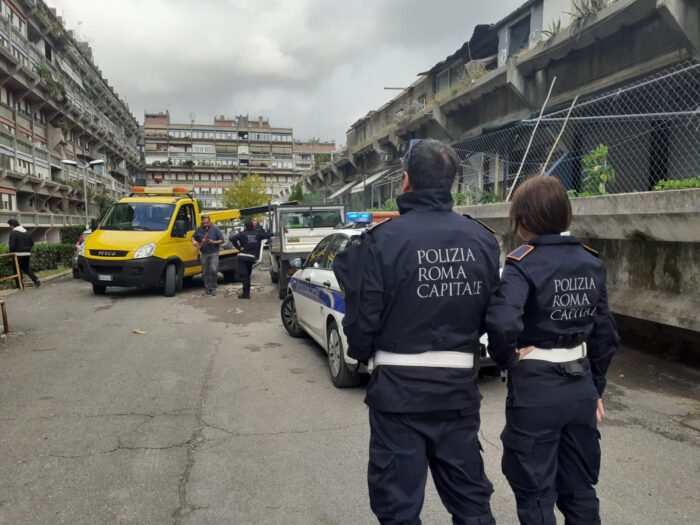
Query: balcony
(42,220)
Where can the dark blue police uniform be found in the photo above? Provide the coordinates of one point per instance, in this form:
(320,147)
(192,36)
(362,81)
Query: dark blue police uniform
(421,283)
(552,295)
(248,242)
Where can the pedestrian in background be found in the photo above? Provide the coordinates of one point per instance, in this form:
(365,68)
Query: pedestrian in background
(249,243)
(22,243)
(208,239)
(416,290)
(550,326)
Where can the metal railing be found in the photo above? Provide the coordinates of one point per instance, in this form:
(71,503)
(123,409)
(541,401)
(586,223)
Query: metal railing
(39,219)
(641,137)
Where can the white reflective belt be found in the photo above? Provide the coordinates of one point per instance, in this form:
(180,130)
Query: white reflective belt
(247,255)
(436,358)
(558,355)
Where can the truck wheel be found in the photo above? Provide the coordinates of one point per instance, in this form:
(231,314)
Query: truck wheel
(99,289)
(180,283)
(341,375)
(170,280)
(274,277)
(288,312)
(229,276)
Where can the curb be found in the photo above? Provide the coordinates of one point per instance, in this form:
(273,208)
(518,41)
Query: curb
(57,276)
(12,291)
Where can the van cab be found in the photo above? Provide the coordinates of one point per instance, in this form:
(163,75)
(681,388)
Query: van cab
(145,240)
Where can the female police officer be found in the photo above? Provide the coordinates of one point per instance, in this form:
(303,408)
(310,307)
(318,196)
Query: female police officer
(552,305)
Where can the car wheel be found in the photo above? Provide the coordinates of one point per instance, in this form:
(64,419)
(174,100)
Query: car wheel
(99,289)
(170,280)
(289,317)
(341,375)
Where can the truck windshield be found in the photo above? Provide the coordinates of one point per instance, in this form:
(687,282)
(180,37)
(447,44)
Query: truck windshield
(136,216)
(310,219)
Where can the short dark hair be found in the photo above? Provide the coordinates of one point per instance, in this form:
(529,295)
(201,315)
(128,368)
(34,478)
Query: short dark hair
(431,165)
(249,224)
(13,222)
(541,206)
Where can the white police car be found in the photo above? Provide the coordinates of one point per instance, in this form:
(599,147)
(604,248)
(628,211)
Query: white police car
(315,305)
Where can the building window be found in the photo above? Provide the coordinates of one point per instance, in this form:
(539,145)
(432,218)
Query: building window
(8,202)
(519,36)
(442,81)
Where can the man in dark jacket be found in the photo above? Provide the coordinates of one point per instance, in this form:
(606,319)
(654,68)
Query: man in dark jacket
(416,291)
(248,242)
(22,243)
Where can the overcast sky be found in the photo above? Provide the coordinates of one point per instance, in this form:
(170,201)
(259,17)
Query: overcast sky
(314,65)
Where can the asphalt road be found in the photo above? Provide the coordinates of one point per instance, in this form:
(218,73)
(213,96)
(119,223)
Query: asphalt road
(215,415)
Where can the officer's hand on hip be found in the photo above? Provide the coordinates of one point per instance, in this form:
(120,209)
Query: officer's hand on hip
(524,351)
(600,412)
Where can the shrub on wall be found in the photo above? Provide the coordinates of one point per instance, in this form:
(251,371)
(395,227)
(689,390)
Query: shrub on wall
(70,234)
(44,257)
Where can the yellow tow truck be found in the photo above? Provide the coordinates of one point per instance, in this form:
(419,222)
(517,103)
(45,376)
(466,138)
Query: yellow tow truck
(145,240)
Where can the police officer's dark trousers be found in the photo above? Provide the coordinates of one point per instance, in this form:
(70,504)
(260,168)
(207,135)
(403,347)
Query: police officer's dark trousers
(245,267)
(552,455)
(403,446)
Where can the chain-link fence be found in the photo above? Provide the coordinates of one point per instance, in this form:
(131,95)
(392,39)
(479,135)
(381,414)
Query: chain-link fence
(641,137)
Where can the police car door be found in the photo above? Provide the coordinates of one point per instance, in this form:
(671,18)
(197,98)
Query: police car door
(305,293)
(329,298)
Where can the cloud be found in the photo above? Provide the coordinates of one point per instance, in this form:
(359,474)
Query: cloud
(315,65)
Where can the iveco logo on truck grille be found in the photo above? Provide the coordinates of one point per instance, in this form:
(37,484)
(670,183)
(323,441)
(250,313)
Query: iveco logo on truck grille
(108,253)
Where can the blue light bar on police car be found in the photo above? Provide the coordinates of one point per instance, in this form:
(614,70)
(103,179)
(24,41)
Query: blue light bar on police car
(359,217)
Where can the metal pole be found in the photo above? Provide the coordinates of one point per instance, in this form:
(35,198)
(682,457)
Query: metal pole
(561,133)
(532,138)
(85,176)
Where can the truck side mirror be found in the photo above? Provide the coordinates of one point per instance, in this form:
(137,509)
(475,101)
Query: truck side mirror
(93,224)
(180,228)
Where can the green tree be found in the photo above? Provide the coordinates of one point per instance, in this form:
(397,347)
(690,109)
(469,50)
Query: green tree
(251,191)
(103,204)
(297,193)
(598,171)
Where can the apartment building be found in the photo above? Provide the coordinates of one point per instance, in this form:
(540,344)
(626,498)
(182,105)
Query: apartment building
(312,153)
(502,75)
(66,137)
(210,158)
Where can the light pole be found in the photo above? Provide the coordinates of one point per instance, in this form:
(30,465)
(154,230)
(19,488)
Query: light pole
(73,163)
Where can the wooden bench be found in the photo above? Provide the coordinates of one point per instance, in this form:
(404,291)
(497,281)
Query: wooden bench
(17,275)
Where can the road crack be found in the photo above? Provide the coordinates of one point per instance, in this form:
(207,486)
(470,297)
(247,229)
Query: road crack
(184,508)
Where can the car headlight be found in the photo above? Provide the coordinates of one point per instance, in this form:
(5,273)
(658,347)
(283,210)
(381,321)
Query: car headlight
(145,251)
(81,249)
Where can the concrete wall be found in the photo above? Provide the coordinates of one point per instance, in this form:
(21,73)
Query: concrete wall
(650,243)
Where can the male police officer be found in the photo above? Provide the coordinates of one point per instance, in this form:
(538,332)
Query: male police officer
(416,289)
(248,242)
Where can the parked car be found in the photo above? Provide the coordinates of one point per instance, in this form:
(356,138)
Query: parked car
(315,306)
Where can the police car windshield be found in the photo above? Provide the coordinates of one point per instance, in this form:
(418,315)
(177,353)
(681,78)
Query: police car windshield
(291,220)
(138,217)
